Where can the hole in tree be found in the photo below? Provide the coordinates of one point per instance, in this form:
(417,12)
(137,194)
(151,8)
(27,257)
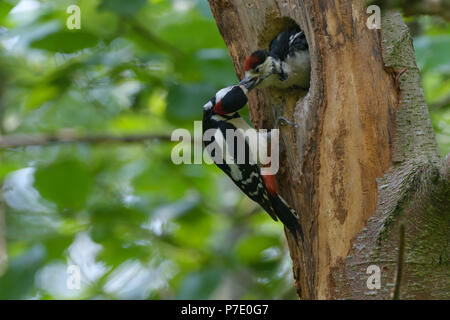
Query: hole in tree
(287,98)
(274,25)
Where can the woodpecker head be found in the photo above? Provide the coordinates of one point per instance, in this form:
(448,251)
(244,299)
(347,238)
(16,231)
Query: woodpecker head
(258,66)
(227,100)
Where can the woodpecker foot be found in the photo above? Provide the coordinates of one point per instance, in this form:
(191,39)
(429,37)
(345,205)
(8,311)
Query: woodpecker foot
(283,119)
(279,119)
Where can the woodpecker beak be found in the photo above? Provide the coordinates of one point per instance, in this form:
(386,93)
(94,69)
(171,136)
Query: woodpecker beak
(248,82)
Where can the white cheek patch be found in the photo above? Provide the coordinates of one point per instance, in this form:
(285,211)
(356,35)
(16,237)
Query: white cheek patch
(219,96)
(222,93)
(217,117)
(208,106)
(267,66)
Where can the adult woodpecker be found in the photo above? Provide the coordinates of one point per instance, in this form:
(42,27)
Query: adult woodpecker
(286,64)
(220,113)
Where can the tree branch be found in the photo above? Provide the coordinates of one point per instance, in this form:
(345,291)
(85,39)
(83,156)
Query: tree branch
(13,141)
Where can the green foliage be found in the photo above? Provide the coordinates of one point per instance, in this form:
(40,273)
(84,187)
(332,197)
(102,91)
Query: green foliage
(131,7)
(66,182)
(249,250)
(65,41)
(138,225)
(5,8)
(432,48)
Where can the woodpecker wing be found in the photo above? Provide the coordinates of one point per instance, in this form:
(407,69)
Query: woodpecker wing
(249,179)
(287,42)
(245,174)
(297,42)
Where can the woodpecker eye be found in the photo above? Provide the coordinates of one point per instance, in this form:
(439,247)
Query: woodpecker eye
(257,69)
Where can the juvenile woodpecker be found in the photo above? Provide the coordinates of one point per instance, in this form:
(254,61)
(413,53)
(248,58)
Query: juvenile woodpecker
(286,64)
(220,113)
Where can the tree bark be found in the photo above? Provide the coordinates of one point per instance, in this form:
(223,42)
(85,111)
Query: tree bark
(364,159)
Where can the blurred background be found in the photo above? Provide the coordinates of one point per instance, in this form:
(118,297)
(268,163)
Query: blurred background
(133,224)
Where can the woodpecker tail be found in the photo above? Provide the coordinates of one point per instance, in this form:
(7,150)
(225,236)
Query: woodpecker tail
(287,216)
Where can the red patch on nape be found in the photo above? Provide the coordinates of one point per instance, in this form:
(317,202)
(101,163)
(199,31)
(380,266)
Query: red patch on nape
(251,62)
(218,108)
(271,184)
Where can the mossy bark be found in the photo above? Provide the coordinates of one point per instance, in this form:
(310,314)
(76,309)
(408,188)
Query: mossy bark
(364,158)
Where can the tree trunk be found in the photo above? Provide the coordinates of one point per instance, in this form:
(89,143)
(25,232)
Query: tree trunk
(364,159)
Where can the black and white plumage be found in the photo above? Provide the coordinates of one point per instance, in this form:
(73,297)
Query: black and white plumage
(286,64)
(220,114)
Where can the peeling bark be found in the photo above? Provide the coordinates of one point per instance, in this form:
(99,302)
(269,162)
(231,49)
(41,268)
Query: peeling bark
(364,157)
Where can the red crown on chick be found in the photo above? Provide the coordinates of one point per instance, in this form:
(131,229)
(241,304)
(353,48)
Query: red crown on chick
(255,59)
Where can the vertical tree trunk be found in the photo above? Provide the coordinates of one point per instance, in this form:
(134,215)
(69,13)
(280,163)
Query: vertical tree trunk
(364,159)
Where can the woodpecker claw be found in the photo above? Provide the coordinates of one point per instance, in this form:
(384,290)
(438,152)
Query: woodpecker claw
(277,123)
(278,111)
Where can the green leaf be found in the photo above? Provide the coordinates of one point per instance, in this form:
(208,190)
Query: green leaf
(129,7)
(195,228)
(18,281)
(204,33)
(200,284)
(185,102)
(56,245)
(5,8)
(250,248)
(432,52)
(101,23)
(41,94)
(65,182)
(66,41)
